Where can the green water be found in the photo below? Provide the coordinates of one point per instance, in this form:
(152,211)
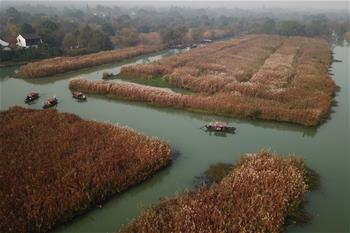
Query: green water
(325,149)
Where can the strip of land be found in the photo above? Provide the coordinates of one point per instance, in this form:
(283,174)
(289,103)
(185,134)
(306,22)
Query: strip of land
(52,167)
(256,196)
(60,65)
(256,76)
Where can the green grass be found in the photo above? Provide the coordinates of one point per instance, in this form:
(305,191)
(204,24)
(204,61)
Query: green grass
(157,81)
(217,172)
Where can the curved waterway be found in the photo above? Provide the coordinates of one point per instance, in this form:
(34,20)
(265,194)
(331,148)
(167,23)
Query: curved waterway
(325,149)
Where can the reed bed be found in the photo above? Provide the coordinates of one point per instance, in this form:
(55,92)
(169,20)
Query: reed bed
(199,72)
(256,196)
(59,65)
(259,76)
(54,166)
(278,70)
(285,79)
(222,103)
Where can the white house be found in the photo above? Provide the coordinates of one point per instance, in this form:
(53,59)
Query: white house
(4,45)
(28,40)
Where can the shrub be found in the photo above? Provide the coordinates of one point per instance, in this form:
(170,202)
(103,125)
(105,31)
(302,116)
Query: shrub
(107,75)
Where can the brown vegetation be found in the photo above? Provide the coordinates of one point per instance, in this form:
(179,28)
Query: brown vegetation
(228,61)
(256,196)
(347,36)
(64,64)
(52,167)
(257,76)
(150,38)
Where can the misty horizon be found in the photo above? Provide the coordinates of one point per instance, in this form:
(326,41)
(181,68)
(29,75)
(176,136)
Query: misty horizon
(309,6)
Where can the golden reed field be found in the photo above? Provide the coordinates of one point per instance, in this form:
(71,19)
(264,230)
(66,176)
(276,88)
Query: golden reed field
(255,76)
(60,65)
(52,167)
(256,196)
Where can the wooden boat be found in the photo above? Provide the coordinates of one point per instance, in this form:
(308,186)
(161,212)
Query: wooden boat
(50,103)
(78,95)
(219,127)
(31,97)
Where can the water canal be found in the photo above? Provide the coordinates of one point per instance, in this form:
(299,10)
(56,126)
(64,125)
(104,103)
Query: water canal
(325,149)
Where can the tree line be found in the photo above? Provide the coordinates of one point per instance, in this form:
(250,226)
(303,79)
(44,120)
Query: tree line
(74,31)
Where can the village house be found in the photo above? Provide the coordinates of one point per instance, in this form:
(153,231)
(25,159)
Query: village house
(4,45)
(28,40)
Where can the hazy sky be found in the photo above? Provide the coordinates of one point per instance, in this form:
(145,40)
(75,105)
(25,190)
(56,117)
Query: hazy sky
(287,4)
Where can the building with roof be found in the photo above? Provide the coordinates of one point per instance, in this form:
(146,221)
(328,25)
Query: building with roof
(28,40)
(4,45)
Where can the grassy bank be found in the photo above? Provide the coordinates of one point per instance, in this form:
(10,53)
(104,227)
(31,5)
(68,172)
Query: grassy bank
(159,81)
(59,65)
(54,166)
(12,63)
(257,195)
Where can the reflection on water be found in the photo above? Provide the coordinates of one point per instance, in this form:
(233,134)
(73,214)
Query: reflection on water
(324,148)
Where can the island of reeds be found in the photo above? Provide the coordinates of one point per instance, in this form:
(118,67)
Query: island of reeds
(255,76)
(60,65)
(257,195)
(54,166)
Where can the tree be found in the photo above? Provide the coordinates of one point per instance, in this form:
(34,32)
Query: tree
(85,36)
(12,15)
(291,28)
(99,41)
(12,31)
(50,31)
(197,34)
(93,40)
(174,35)
(27,28)
(69,41)
(269,26)
(107,28)
(50,25)
(129,36)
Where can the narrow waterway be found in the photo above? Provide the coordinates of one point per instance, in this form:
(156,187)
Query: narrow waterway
(325,149)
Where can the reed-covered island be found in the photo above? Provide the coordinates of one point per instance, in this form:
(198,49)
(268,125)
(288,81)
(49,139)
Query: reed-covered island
(60,65)
(54,166)
(258,195)
(255,76)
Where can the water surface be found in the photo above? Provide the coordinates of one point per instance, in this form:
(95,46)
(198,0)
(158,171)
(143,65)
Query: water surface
(325,149)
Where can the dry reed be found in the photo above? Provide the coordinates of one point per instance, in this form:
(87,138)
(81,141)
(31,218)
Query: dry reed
(54,166)
(59,65)
(256,196)
(257,76)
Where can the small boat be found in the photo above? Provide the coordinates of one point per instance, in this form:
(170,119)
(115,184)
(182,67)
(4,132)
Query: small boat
(31,97)
(78,95)
(50,102)
(218,126)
